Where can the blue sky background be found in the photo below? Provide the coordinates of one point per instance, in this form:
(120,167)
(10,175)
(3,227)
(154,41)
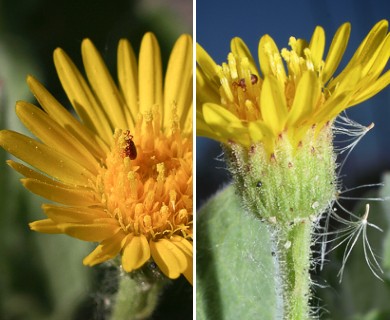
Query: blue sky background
(219,21)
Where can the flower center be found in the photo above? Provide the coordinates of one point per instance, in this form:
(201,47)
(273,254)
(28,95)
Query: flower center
(241,88)
(146,184)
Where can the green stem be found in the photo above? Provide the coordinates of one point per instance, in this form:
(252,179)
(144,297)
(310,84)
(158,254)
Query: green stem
(294,255)
(136,300)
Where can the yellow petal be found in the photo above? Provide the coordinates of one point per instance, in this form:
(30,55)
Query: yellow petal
(91,140)
(108,249)
(239,49)
(317,46)
(96,231)
(259,131)
(205,91)
(169,258)
(45,159)
(178,81)
(128,75)
(273,104)
(206,64)
(61,193)
(332,108)
(372,89)
(224,123)
(104,88)
(306,96)
(135,253)
(60,214)
(271,62)
(256,131)
(186,247)
(202,129)
(351,81)
(149,74)
(30,173)
(381,60)
(52,134)
(81,97)
(45,226)
(336,51)
(187,126)
(366,53)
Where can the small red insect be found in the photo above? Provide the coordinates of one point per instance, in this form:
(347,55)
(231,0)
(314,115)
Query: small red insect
(130,149)
(242,83)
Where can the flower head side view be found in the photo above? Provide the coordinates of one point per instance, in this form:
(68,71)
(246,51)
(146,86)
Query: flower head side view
(235,103)
(285,116)
(277,125)
(122,173)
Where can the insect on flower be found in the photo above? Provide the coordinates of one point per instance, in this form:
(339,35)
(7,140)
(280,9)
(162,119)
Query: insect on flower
(242,83)
(130,149)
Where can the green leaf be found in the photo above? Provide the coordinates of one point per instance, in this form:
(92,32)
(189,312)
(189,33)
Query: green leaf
(235,263)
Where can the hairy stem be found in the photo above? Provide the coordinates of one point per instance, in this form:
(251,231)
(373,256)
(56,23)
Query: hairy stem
(136,300)
(294,256)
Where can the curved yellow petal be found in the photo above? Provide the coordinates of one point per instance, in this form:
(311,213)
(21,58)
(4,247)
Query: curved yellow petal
(207,64)
(58,192)
(371,42)
(240,49)
(96,231)
(273,104)
(336,51)
(104,87)
(224,123)
(30,173)
(351,81)
(45,159)
(259,131)
(61,214)
(317,46)
(52,134)
(54,190)
(372,89)
(135,252)
(186,247)
(331,108)
(81,97)
(108,249)
(306,96)
(205,91)
(380,62)
(63,117)
(169,258)
(366,53)
(149,74)
(128,76)
(178,81)
(45,226)
(202,129)
(187,127)
(271,62)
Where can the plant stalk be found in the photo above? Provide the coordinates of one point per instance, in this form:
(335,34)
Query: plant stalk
(135,299)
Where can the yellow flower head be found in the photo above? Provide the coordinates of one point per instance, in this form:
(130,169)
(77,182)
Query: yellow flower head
(123,173)
(235,102)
